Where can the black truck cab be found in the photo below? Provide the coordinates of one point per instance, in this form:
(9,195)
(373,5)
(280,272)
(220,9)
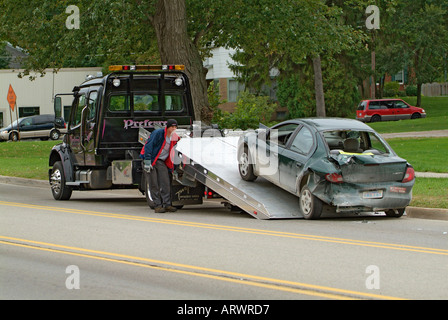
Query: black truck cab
(101,149)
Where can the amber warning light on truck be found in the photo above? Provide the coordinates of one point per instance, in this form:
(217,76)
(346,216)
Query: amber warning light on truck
(173,67)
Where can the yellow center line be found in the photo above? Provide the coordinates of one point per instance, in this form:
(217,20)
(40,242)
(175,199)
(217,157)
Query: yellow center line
(222,275)
(364,243)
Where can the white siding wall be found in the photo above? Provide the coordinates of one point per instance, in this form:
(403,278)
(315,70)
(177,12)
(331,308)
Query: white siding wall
(218,64)
(40,92)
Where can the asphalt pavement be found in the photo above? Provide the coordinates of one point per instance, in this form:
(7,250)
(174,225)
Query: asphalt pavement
(412,212)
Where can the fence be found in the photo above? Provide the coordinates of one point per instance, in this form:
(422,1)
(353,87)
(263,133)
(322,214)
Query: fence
(435,89)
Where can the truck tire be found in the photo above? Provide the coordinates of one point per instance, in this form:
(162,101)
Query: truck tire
(59,189)
(245,167)
(310,206)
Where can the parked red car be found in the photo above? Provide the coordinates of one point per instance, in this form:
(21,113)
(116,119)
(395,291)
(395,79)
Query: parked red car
(386,110)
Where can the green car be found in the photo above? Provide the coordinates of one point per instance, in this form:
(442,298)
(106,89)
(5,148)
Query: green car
(329,161)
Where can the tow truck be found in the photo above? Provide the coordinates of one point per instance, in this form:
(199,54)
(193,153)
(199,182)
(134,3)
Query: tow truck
(112,116)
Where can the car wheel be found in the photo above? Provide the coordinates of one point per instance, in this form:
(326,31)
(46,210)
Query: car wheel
(245,167)
(310,206)
(14,136)
(375,118)
(55,134)
(149,200)
(59,188)
(416,116)
(395,213)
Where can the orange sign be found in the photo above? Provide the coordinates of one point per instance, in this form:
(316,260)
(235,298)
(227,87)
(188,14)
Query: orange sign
(11,98)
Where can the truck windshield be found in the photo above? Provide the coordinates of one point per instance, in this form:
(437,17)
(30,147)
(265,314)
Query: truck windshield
(145,102)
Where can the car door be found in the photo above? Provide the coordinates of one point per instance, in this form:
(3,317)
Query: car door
(387,110)
(402,110)
(293,158)
(276,143)
(26,128)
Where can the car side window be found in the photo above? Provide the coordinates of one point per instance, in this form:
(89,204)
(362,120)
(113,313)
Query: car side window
(373,105)
(282,133)
(303,141)
(400,104)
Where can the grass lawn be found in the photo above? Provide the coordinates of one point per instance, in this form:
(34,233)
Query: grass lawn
(430,193)
(436,117)
(25,159)
(425,154)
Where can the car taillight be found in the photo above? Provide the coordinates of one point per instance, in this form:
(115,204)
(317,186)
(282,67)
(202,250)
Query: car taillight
(409,175)
(334,177)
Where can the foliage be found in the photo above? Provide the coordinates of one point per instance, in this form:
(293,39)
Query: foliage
(5,58)
(250,111)
(214,99)
(391,89)
(296,92)
(411,90)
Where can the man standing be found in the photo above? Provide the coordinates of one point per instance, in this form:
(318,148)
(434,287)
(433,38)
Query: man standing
(158,162)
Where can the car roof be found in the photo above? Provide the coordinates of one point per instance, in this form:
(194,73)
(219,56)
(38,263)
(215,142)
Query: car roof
(325,124)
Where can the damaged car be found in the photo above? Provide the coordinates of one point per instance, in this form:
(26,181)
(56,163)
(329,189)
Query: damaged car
(338,162)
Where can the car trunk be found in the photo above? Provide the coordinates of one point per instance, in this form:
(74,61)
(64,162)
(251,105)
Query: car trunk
(360,168)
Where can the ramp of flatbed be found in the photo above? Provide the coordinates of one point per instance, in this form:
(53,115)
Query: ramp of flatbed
(213,161)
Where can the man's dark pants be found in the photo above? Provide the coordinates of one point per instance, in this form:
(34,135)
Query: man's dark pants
(160,184)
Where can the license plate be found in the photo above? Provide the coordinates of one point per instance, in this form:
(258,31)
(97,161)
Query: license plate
(376,194)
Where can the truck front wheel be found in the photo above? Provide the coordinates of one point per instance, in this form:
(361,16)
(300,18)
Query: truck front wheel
(59,189)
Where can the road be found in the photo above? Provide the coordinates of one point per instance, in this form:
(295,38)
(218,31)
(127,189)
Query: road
(110,245)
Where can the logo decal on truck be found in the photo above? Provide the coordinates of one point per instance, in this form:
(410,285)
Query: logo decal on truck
(142,124)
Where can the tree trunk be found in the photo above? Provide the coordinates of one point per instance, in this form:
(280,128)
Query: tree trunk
(319,87)
(419,94)
(176,47)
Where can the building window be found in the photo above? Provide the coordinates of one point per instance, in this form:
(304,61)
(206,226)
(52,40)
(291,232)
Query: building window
(28,111)
(234,89)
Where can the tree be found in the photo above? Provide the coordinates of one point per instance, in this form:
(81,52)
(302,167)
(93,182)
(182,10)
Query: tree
(414,35)
(285,34)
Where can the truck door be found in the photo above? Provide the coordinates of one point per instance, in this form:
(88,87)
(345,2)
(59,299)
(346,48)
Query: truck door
(75,127)
(90,127)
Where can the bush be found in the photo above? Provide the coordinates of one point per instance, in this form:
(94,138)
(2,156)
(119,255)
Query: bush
(251,110)
(411,91)
(391,89)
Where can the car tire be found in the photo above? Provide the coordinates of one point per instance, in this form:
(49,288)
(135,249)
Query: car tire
(54,134)
(416,116)
(14,136)
(245,167)
(375,118)
(59,189)
(395,213)
(310,206)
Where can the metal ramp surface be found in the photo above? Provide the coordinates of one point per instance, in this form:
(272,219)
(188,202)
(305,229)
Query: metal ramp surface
(213,162)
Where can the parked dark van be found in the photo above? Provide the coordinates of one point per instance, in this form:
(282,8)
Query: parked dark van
(43,127)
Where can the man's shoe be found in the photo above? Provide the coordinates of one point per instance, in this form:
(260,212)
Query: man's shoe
(171,209)
(159,210)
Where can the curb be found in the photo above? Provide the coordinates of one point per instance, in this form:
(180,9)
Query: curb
(411,212)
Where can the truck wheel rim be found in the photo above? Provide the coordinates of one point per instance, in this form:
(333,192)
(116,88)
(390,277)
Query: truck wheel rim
(56,181)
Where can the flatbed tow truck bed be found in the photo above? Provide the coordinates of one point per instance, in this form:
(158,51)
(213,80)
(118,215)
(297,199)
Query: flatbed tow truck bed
(213,162)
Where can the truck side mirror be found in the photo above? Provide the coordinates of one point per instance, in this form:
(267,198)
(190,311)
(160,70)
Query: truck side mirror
(57,107)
